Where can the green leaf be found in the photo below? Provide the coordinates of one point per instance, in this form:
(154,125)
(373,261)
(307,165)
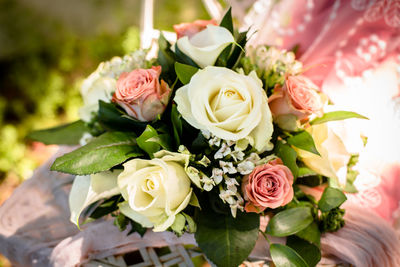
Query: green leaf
(121,221)
(166,57)
(289,221)
(227,241)
(150,141)
(226,21)
(284,256)
(68,134)
(191,225)
(113,119)
(183,58)
(308,251)
(137,228)
(337,115)
(176,119)
(311,233)
(185,72)
(288,155)
(101,154)
(304,141)
(304,172)
(222,59)
(179,224)
(238,51)
(330,199)
(106,207)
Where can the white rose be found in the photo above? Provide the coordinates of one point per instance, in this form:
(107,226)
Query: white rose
(230,105)
(155,190)
(205,46)
(95,88)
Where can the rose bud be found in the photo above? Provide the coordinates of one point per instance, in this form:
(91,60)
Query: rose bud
(190,29)
(140,93)
(297,97)
(268,186)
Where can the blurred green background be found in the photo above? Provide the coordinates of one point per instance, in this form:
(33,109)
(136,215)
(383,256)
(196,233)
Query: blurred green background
(47,48)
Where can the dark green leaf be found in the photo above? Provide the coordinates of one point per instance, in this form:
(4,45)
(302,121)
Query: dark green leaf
(288,156)
(68,134)
(311,234)
(238,51)
(137,228)
(113,119)
(150,141)
(184,72)
(308,251)
(227,241)
(165,57)
(176,119)
(304,141)
(284,256)
(121,222)
(106,207)
(330,199)
(183,58)
(101,154)
(289,221)
(226,21)
(337,115)
(222,59)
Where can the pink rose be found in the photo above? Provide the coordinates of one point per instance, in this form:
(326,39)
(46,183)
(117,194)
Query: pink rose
(298,97)
(140,93)
(268,186)
(190,29)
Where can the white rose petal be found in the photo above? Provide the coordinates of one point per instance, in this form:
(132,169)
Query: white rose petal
(89,189)
(230,105)
(205,46)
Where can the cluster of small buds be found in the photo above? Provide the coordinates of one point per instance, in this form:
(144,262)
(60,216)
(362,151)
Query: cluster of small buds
(233,198)
(271,58)
(117,65)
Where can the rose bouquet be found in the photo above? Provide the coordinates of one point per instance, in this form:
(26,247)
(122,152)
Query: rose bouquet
(207,138)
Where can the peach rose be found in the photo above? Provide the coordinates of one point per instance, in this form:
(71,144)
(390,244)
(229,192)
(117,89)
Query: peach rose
(268,186)
(140,93)
(298,97)
(190,29)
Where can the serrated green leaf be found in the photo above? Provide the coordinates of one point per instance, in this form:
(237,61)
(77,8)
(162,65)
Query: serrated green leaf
(227,241)
(226,21)
(288,155)
(121,222)
(185,72)
(67,134)
(310,253)
(289,222)
(284,256)
(330,199)
(304,141)
(337,115)
(100,154)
